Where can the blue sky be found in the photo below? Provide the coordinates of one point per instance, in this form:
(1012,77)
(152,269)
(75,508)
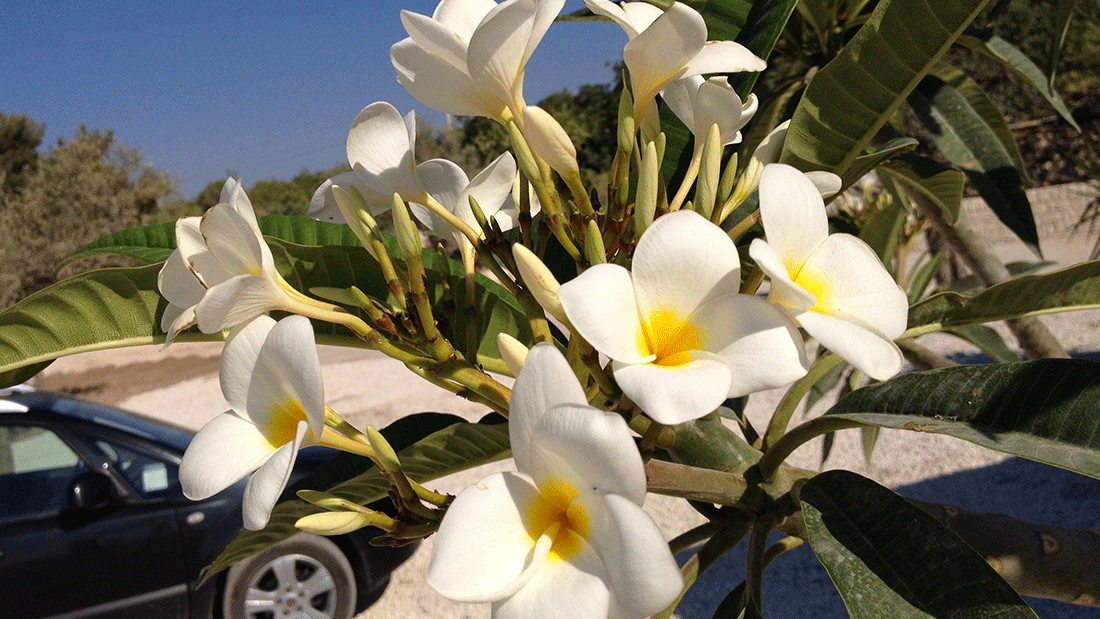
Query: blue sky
(260,88)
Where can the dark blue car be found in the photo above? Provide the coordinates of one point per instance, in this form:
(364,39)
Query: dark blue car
(93,524)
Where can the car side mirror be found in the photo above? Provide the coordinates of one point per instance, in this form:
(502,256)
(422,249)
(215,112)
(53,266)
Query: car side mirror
(91,490)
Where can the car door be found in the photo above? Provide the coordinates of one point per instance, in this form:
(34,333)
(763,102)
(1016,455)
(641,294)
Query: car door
(119,559)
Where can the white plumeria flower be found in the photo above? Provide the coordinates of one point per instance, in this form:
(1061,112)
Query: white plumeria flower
(680,337)
(381,149)
(669,45)
(447,183)
(700,103)
(271,378)
(469,57)
(565,535)
(833,285)
(222,272)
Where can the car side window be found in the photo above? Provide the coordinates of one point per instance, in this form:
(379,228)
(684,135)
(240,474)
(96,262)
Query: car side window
(36,466)
(149,476)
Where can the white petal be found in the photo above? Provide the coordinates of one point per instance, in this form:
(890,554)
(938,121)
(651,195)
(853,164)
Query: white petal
(642,573)
(445,182)
(827,183)
(498,52)
(723,57)
(380,151)
(287,375)
(855,286)
(793,214)
(771,146)
(233,194)
(222,453)
(759,343)
(176,319)
(659,54)
(718,104)
(679,95)
(681,262)
(588,448)
(232,241)
(237,300)
(436,38)
(323,205)
(462,16)
(482,551)
(267,483)
(178,284)
(601,307)
(783,289)
(421,74)
(545,381)
(238,362)
(875,355)
(492,187)
(573,589)
(675,394)
(633,17)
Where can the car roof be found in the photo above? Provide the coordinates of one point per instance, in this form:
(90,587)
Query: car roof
(94,413)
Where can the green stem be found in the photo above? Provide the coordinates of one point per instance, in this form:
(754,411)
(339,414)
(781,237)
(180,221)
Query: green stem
(689,179)
(781,418)
(775,455)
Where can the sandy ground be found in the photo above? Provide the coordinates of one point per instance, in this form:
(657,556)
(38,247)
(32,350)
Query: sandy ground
(180,384)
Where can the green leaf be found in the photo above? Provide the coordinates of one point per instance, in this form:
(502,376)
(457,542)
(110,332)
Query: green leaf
(972,133)
(93,311)
(450,450)
(984,41)
(113,308)
(888,558)
(153,243)
(754,24)
(1043,410)
(150,244)
(875,157)
(971,285)
(920,280)
(1073,288)
(1058,40)
(987,340)
(942,184)
(881,230)
(854,95)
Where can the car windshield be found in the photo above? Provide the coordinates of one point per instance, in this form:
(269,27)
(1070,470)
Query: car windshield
(159,431)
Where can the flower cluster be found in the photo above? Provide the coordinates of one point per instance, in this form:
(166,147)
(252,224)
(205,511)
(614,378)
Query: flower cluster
(659,328)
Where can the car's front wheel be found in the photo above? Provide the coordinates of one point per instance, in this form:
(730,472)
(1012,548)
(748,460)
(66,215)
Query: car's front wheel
(305,577)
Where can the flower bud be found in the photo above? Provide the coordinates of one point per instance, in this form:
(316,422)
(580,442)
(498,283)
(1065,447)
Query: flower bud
(706,187)
(339,523)
(512,351)
(645,202)
(539,280)
(549,140)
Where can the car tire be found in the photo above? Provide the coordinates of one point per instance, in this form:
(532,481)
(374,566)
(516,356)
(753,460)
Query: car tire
(305,573)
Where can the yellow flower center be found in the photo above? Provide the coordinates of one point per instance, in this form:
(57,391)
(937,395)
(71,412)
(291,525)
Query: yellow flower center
(669,337)
(555,508)
(282,427)
(815,285)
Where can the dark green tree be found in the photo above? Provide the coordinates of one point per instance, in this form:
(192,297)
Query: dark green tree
(80,190)
(19,140)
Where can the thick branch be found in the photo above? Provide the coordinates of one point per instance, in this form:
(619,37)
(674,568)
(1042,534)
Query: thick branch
(1030,332)
(1037,560)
